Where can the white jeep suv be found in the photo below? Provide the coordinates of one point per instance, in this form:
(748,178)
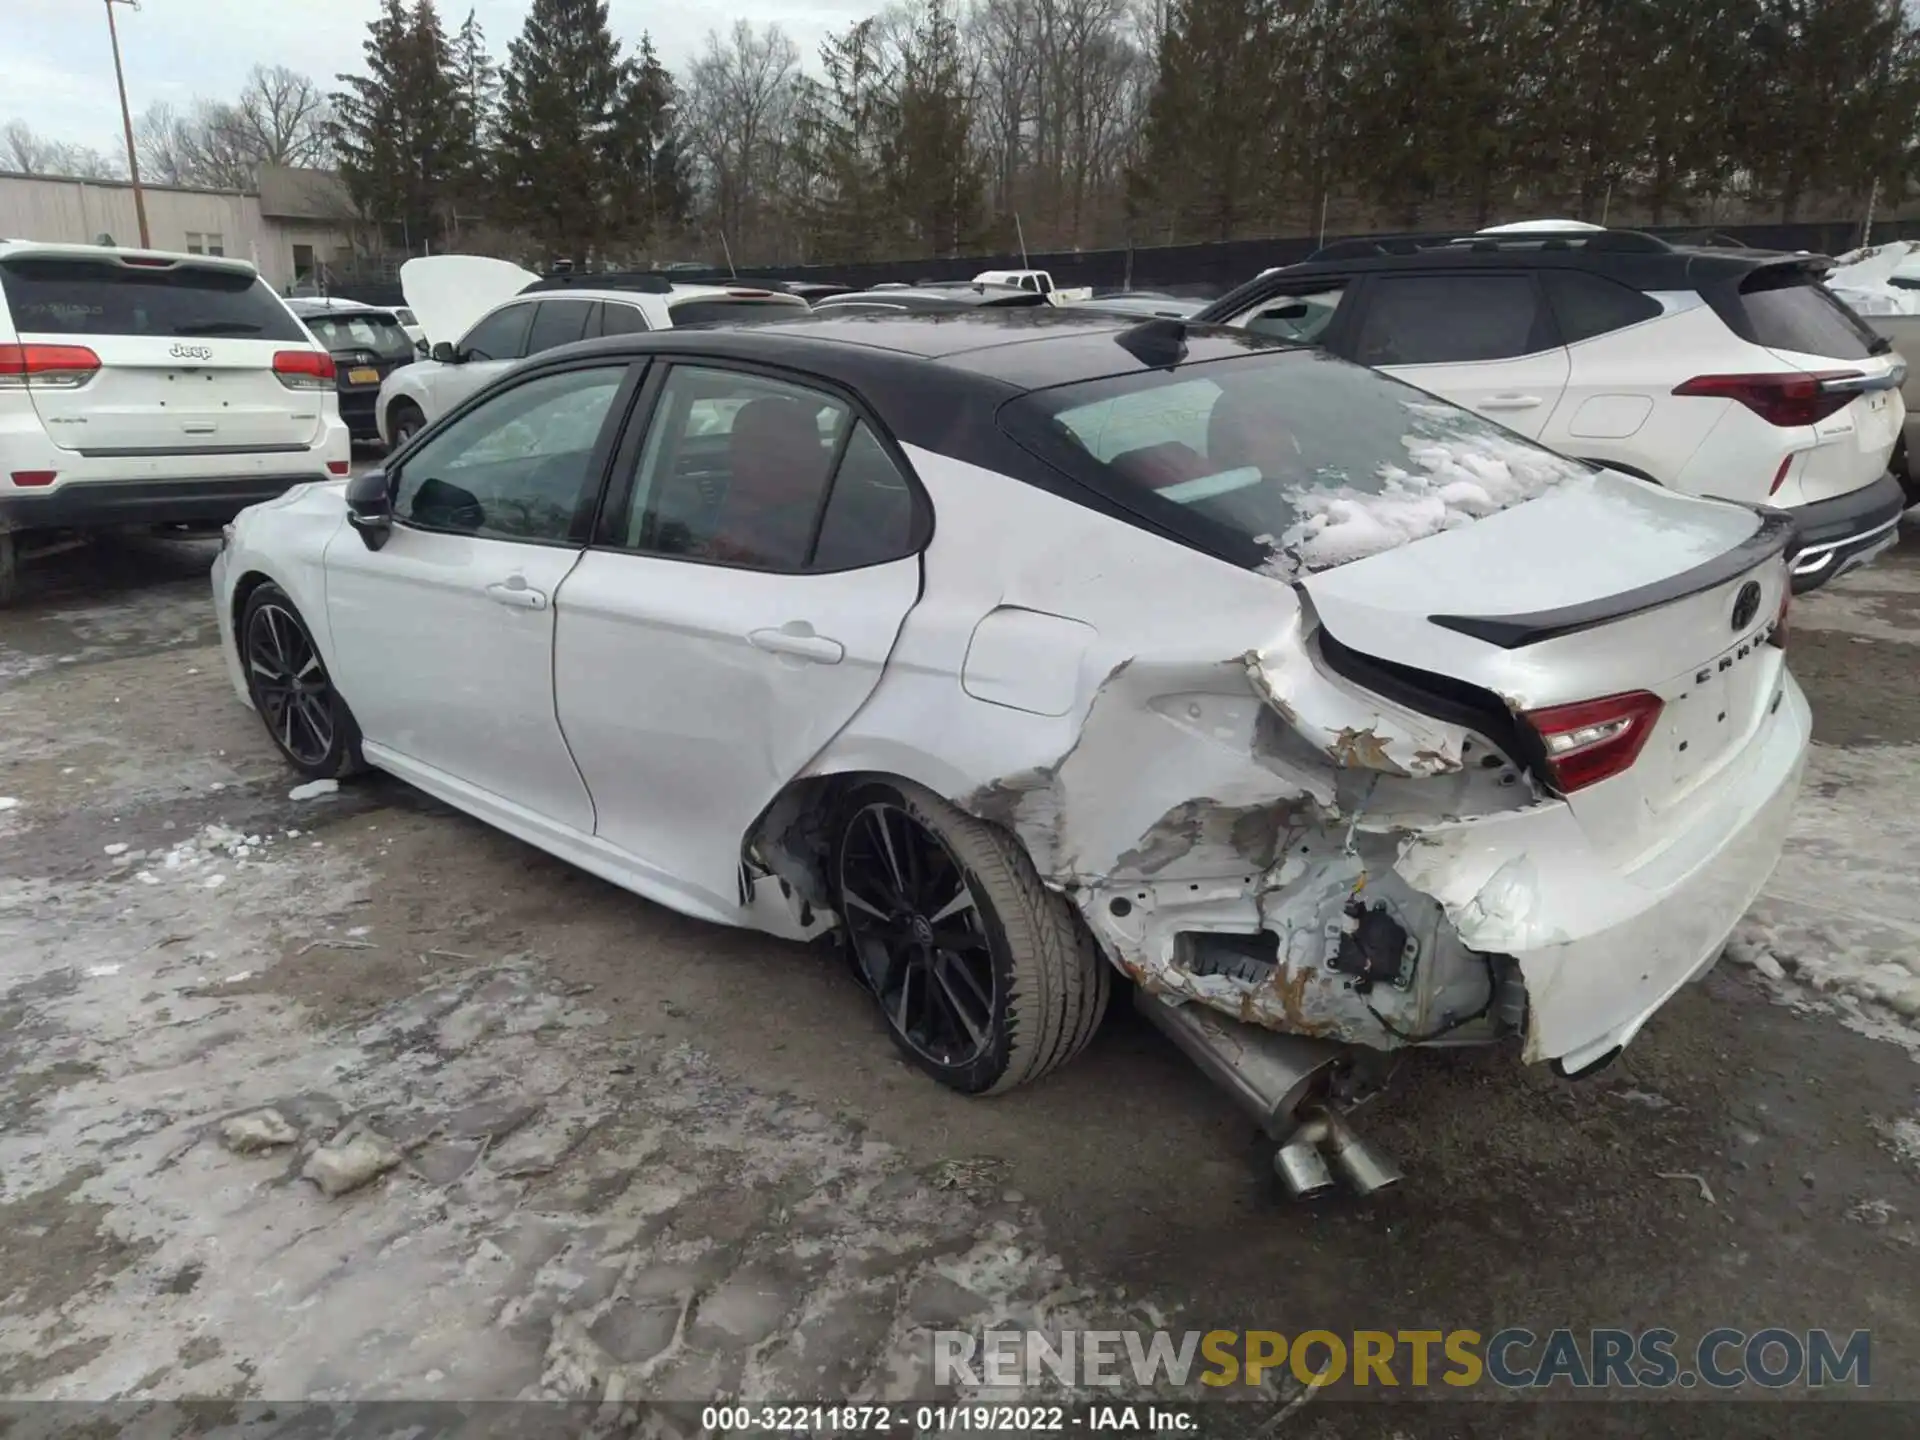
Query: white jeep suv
(483,316)
(143,388)
(1715,371)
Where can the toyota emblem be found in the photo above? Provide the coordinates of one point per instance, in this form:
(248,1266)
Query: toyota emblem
(1746,605)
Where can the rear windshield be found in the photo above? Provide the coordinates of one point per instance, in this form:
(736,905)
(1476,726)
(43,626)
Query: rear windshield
(86,297)
(1288,461)
(379,333)
(1787,310)
(736,310)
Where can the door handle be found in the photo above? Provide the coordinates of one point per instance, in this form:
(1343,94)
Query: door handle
(515,591)
(796,638)
(1510,402)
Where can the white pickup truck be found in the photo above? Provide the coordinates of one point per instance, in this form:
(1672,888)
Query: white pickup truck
(1038,281)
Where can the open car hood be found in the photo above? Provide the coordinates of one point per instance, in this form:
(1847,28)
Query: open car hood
(447,293)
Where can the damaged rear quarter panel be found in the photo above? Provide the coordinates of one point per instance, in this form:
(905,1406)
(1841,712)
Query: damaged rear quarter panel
(1208,774)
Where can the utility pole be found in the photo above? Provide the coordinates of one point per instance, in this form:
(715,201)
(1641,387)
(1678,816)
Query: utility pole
(126,119)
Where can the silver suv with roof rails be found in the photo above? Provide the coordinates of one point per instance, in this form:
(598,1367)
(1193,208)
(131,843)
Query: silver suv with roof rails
(1709,369)
(144,388)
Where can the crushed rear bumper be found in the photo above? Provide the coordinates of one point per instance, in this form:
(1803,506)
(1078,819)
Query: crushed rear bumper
(85,504)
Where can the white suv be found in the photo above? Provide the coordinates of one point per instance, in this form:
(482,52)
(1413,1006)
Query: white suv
(138,388)
(1721,372)
(501,314)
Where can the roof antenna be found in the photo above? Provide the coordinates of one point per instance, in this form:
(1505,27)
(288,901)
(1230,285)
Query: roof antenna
(1022,235)
(728,249)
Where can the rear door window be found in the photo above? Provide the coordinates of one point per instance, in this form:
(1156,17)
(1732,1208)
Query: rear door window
(1589,305)
(1785,309)
(619,319)
(499,336)
(1450,319)
(59,296)
(558,322)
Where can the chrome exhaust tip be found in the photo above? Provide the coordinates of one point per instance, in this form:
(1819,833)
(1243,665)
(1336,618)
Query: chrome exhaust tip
(1364,1167)
(1303,1169)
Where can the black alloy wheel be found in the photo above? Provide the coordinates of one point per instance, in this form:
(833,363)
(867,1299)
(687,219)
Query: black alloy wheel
(306,717)
(984,977)
(919,936)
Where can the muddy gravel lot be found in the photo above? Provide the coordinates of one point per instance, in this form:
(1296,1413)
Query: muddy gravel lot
(624,1153)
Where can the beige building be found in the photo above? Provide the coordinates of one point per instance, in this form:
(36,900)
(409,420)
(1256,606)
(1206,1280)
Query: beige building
(290,224)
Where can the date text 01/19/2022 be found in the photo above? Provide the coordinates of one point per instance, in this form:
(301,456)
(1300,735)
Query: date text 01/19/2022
(884,1419)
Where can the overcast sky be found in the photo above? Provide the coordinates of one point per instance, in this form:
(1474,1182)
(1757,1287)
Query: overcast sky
(56,69)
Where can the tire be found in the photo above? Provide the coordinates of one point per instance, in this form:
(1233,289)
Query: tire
(1020,990)
(306,718)
(404,421)
(9,569)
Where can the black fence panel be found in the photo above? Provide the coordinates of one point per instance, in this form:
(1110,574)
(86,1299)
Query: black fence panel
(1200,271)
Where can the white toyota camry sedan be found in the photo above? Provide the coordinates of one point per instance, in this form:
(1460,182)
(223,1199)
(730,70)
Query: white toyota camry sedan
(1019,648)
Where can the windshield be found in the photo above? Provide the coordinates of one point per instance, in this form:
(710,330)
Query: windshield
(379,333)
(1287,461)
(58,296)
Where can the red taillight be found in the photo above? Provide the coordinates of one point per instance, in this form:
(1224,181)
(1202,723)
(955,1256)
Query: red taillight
(304,369)
(1595,739)
(339,467)
(1780,476)
(34,477)
(1791,399)
(46,367)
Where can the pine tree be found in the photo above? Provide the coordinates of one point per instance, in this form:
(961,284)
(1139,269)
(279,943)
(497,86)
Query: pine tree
(397,129)
(563,143)
(936,178)
(841,125)
(477,80)
(649,187)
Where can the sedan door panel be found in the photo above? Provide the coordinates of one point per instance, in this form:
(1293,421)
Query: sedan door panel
(691,694)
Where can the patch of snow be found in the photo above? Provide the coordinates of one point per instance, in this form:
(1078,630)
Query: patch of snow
(119,847)
(96,972)
(214,882)
(313,790)
(1459,470)
(1838,925)
(7,802)
(147,877)
(1903,1139)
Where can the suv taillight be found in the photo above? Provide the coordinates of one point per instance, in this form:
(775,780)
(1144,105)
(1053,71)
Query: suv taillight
(46,367)
(1594,740)
(304,369)
(1788,399)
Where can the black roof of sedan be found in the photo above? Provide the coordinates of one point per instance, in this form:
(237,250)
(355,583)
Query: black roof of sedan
(1020,349)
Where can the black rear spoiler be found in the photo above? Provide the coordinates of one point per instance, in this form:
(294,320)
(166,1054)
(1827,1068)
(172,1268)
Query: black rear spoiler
(1775,535)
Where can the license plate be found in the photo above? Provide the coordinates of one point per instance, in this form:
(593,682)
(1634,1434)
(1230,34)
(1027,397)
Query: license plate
(363,376)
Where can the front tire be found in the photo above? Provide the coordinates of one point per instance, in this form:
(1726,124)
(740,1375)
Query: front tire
(404,421)
(985,978)
(308,720)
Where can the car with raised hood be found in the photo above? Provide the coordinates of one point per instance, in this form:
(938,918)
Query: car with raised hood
(482,316)
(139,387)
(1709,369)
(368,343)
(1028,649)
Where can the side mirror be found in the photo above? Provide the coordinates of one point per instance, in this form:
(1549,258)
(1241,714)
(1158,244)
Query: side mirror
(370,508)
(420,349)
(444,353)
